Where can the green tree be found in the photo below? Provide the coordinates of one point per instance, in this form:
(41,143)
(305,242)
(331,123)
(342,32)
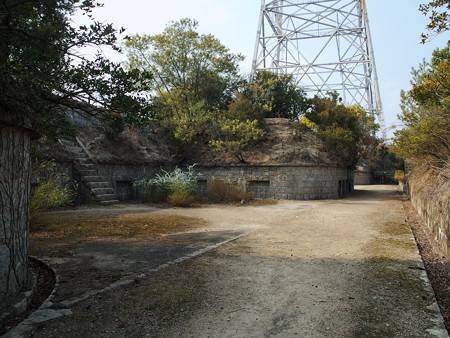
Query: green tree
(437,12)
(241,108)
(385,159)
(43,71)
(234,136)
(277,95)
(197,83)
(237,128)
(348,132)
(193,72)
(426,114)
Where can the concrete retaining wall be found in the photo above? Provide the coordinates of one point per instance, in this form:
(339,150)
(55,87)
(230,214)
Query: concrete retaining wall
(430,196)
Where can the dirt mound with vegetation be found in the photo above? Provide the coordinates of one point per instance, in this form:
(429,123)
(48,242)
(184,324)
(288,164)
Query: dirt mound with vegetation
(149,145)
(283,143)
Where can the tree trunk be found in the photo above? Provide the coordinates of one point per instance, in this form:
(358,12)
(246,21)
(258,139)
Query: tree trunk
(15,177)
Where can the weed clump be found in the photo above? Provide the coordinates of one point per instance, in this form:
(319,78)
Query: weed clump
(220,191)
(181,198)
(52,190)
(177,187)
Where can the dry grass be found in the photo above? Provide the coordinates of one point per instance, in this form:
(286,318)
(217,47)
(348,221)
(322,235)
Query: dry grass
(220,191)
(181,199)
(76,225)
(263,201)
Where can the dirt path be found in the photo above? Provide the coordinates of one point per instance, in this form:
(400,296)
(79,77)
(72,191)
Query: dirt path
(335,268)
(303,268)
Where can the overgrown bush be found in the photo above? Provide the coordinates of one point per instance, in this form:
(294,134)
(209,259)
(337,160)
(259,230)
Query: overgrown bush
(348,132)
(181,198)
(177,187)
(226,191)
(52,190)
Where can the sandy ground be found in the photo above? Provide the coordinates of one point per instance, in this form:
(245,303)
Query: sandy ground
(341,268)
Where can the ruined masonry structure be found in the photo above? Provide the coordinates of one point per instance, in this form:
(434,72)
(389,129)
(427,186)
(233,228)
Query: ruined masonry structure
(287,165)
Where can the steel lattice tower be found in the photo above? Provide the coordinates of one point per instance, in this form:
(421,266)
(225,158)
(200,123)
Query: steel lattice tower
(325,45)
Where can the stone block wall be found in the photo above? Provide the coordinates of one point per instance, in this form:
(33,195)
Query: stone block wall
(363,177)
(286,182)
(259,189)
(273,181)
(430,196)
(122,176)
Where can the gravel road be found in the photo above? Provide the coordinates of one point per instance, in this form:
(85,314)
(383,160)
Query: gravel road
(334,268)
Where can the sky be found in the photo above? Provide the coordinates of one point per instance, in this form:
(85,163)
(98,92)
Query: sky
(395,26)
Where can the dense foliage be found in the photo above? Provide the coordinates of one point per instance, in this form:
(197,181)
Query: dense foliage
(196,81)
(194,73)
(348,132)
(426,114)
(277,95)
(44,71)
(198,91)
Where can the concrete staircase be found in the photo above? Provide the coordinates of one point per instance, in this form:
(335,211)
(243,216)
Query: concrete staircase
(100,190)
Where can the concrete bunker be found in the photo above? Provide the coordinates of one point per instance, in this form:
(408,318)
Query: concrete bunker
(286,165)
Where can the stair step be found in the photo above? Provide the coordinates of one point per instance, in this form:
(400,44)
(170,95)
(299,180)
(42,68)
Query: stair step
(86,166)
(93,178)
(102,191)
(106,197)
(111,202)
(95,185)
(88,172)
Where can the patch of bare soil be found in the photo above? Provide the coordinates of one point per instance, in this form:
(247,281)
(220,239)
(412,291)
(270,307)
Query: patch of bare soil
(437,266)
(142,308)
